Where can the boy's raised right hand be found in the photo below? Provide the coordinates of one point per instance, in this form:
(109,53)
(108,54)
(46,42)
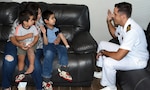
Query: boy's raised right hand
(43,30)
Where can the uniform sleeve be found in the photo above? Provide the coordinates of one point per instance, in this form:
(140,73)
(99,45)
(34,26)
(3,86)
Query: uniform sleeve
(129,40)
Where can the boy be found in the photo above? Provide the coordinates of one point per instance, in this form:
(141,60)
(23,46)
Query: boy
(51,49)
(27,34)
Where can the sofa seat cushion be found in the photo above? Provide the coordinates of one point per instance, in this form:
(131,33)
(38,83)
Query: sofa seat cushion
(134,79)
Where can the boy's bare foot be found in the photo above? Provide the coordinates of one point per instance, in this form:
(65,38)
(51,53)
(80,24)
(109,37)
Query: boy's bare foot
(30,69)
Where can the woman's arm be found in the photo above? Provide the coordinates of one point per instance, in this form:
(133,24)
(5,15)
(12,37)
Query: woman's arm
(36,38)
(16,43)
(20,38)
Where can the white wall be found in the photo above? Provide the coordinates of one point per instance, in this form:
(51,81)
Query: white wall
(5,0)
(98,11)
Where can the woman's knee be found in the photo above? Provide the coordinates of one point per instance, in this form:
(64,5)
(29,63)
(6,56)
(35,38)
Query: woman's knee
(9,58)
(103,42)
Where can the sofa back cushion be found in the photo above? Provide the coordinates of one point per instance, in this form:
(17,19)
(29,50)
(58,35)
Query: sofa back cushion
(8,14)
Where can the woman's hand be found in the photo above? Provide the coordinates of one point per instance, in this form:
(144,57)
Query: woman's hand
(22,46)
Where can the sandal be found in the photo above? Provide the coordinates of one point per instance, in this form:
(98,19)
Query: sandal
(65,75)
(47,85)
(19,78)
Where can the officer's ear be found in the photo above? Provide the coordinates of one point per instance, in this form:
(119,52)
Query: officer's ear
(123,16)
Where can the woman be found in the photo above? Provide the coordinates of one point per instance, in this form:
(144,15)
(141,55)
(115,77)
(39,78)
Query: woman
(10,53)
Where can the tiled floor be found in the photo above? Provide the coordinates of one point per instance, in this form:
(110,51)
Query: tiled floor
(94,86)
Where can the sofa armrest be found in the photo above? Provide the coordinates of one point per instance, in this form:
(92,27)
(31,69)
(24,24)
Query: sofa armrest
(134,79)
(83,42)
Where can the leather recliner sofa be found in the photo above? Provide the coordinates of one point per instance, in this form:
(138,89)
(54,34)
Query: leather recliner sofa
(73,20)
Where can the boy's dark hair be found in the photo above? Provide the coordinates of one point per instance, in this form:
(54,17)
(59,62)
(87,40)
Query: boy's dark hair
(46,14)
(125,8)
(25,16)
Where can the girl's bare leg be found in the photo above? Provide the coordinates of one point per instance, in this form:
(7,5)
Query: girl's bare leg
(31,57)
(21,59)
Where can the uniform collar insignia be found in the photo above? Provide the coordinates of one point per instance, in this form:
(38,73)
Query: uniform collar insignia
(129,27)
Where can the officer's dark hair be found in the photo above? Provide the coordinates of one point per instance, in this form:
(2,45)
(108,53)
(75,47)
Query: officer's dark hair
(46,14)
(125,8)
(25,16)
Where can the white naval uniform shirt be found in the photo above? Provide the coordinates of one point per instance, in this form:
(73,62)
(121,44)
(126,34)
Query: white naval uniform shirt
(133,40)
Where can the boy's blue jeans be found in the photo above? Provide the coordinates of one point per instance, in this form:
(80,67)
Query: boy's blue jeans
(50,51)
(9,66)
